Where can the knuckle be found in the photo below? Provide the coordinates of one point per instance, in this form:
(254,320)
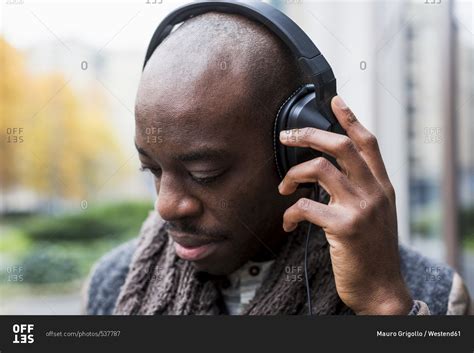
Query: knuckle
(371,209)
(378,204)
(303,204)
(290,175)
(320,164)
(370,141)
(346,145)
(350,117)
(306,131)
(390,191)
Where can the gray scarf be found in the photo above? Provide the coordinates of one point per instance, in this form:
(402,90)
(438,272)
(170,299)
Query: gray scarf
(160,283)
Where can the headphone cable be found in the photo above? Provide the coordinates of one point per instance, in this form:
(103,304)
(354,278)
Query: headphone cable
(308,234)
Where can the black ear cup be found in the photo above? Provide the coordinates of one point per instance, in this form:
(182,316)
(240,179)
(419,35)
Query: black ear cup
(299,111)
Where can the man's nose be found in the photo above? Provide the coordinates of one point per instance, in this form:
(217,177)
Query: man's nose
(174,203)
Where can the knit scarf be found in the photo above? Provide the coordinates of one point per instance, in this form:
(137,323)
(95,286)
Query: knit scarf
(160,283)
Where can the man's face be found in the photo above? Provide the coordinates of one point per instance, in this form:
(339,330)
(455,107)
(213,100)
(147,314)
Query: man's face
(213,169)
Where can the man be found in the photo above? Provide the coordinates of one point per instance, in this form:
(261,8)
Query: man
(226,236)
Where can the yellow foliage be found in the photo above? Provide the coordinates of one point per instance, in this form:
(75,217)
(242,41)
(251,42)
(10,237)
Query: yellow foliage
(12,105)
(65,137)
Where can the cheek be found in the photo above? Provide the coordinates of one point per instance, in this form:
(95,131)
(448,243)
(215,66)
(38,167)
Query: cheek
(256,204)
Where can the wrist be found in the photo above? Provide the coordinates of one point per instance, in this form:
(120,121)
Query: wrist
(393,302)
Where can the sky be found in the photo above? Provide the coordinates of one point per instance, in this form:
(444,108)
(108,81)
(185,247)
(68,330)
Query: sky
(114,24)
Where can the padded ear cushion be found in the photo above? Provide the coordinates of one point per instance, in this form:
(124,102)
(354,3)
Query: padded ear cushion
(281,124)
(299,111)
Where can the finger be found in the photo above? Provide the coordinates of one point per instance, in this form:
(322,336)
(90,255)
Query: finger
(308,210)
(339,146)
(318,170)
(365,141)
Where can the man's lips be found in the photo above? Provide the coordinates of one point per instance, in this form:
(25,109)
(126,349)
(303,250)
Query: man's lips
(193,247)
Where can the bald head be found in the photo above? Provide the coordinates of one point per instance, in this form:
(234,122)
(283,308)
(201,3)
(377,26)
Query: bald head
(228,58)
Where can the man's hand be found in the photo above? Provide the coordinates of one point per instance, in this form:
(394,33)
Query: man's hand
(360,220)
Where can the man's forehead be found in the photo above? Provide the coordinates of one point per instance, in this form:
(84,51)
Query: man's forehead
(191,130)
(192,109)
(180,122)
(203,131)
(190,152)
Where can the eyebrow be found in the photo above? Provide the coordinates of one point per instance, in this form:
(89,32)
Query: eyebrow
(204,153)
(141,151)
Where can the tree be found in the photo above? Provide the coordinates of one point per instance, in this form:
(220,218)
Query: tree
(65,138)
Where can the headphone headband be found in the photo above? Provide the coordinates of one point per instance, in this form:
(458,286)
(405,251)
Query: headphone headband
(308,55)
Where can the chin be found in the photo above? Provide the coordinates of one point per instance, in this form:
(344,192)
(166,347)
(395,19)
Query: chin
(216,268)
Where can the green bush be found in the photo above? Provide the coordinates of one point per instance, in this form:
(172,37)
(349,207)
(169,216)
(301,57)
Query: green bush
(427,225)
(109,221)
(45,266)
(58,262)
(13,241)
(467,221)
(467,227)
(62,249)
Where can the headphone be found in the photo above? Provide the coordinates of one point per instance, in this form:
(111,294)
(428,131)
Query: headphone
(308,106)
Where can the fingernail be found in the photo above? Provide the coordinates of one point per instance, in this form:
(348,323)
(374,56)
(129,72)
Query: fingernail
(340,102)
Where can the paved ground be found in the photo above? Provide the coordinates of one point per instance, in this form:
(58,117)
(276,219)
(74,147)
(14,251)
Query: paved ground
(63,304)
